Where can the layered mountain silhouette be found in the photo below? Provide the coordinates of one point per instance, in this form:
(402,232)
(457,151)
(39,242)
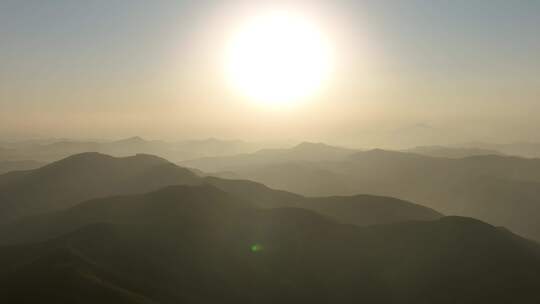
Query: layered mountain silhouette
(199,244)
(501,190)
(18,165)
(81,177)
(523,149)
(362,210)
(451,152)
(53,150)
(306,151)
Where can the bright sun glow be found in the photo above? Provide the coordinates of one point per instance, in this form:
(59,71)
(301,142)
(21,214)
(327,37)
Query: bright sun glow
(278,58)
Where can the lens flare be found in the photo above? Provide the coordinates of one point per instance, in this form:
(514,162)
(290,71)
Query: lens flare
(256,248)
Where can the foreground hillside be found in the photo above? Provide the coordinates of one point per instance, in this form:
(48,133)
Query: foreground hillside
(81,177)
(199,244)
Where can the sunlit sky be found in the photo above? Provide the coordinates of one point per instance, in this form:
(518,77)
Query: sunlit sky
(404,72)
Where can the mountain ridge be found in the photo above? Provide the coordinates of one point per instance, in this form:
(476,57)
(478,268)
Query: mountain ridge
(502,190)
(87,176)
(222,251)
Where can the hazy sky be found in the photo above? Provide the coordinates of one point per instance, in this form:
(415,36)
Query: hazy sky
(406,72)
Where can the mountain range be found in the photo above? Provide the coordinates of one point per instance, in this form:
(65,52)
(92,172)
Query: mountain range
(303,152)
(53,150)
(502,190)
(93,228)
(523,149)
(200,244)
(451,152)
(18,165)
(81,177)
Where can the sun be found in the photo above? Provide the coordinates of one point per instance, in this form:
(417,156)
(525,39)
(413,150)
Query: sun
(278,58)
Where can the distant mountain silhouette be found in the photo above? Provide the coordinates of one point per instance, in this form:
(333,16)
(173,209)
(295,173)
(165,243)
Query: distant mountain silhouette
(198,244)
(18,165)
(92,175)
(523,149)
(54,150)
(451,152)
(362,210)
(501,190)
(84,176)
(302,152)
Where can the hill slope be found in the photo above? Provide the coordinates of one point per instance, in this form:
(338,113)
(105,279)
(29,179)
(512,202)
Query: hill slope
(502,190)
(91,175)
(451,152)
(7,166)
(199,244)
(361,210)
(62,275)
(81,177)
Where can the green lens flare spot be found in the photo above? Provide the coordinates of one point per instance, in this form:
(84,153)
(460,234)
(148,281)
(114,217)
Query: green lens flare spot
(256,248)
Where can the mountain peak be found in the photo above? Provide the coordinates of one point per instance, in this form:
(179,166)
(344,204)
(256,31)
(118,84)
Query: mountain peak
(85,156)
(96,157)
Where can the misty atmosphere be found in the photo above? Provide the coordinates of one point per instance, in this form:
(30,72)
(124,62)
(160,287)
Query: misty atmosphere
(290,151)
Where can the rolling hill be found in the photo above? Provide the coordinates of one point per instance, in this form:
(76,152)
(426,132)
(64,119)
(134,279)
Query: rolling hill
(87,176)
(501,190)
(193,244)
(83,176)
(523,149)
(451,152)
(305,151)
(18,165)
